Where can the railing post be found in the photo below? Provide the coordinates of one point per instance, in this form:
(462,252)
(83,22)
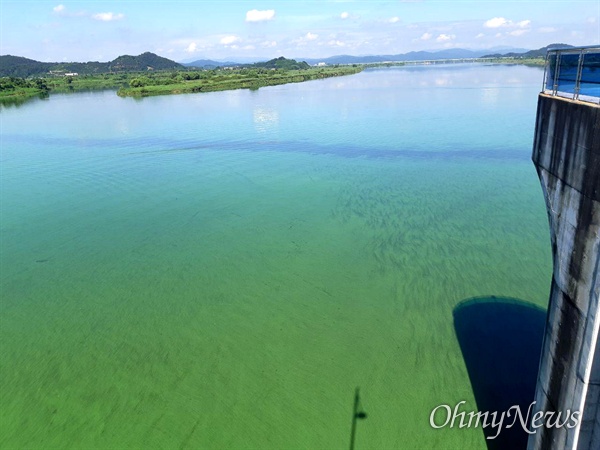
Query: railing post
(556,73)
(578,76)
(545,79)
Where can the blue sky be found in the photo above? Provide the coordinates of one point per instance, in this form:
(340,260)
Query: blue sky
(63,30)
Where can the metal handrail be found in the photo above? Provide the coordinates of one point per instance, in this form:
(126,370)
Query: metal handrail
(573,73)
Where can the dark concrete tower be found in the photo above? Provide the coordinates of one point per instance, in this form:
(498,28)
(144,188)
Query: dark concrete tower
(566,154)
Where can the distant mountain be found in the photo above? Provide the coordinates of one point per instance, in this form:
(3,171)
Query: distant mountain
(281,63)
(539,53)
(145,61)
(504,49)
(210,64)
(348,59)
(276,63)
(453,53)
(16,66)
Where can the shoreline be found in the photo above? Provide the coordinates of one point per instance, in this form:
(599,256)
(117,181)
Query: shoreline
(167,82)
(209,85)
(183,82)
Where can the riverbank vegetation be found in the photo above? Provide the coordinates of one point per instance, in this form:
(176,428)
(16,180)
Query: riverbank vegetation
(21,88)
(160,82)
(222,80)
(16,89)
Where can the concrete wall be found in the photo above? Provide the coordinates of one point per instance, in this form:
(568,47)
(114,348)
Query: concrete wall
(566,154)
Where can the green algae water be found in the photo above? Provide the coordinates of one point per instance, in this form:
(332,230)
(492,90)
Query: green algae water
(223,270)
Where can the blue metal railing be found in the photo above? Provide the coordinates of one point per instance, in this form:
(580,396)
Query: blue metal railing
(573,73)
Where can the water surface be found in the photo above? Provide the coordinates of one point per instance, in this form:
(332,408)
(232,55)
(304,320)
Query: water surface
(223,270)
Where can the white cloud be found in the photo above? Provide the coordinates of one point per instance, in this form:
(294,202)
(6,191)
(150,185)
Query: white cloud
(255,15)
(501,22)
(496,22)
(228,40)
(336,43)
(479,36)
(547,29)
(248,47)
(269,44)
(344,15)
(108,16)
(191,48)
(394,20)
(61,11)
(445,37)
(311,36)
(591,20)
(426,36)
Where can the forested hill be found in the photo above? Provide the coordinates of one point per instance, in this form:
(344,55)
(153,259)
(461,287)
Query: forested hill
(282,63)
(145,61)
(16,66)
(277,63)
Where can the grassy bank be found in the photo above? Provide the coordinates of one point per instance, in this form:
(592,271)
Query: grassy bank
(165,82)
(14,90)
(21,93)
(17,90)
(88,82)
(231,79)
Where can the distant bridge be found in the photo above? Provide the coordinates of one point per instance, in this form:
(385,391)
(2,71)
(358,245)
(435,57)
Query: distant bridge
(428,62)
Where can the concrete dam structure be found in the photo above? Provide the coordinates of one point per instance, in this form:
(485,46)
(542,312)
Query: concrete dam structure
(566,154)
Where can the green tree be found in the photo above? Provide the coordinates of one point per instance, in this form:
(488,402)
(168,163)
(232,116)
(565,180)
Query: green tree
(139,82)
(41,85)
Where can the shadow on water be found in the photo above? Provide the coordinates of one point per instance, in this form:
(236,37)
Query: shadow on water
(501,342)
(357,414)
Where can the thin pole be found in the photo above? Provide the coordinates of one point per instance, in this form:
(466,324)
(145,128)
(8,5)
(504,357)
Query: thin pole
(354,418)
(556,74)
(578,76)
